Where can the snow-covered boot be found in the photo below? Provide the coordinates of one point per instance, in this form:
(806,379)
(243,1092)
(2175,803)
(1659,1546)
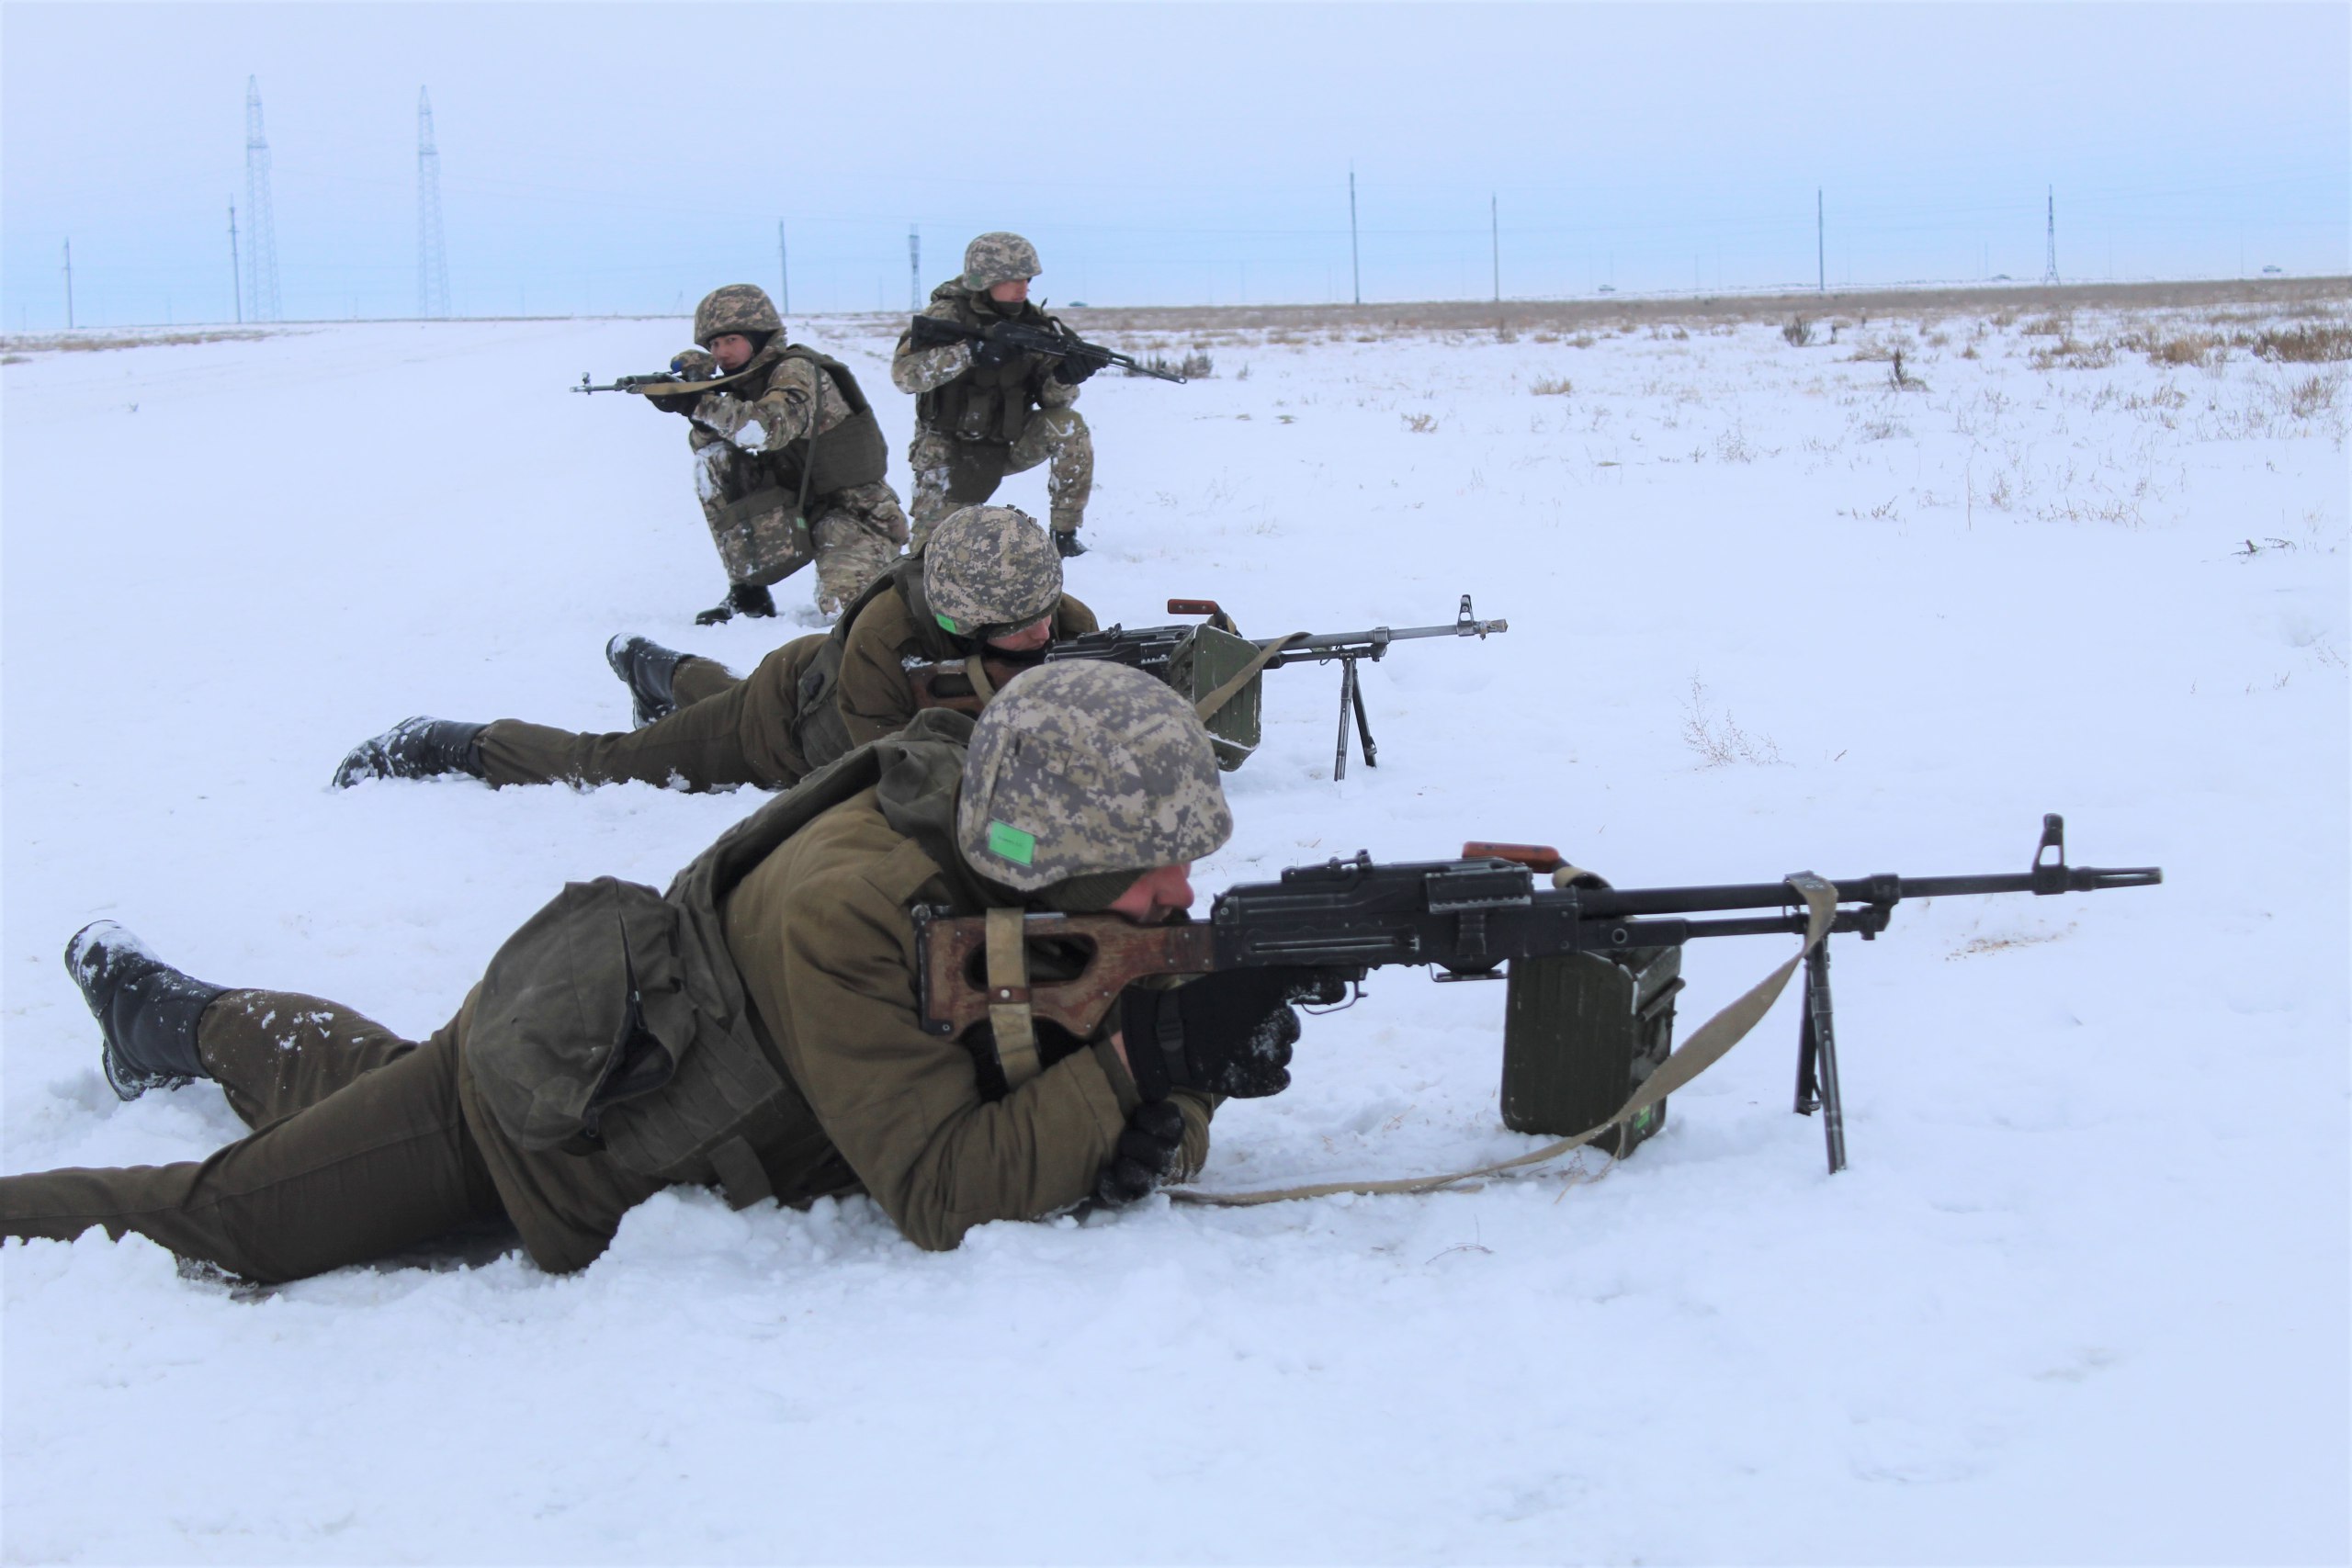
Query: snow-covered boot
(1066,543)
(147,1010)
(742,599)
(646,668)
(416,749)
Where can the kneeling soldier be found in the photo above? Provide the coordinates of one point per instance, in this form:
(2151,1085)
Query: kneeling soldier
(788,460)
(985,410)
(753,1028)
(988,579)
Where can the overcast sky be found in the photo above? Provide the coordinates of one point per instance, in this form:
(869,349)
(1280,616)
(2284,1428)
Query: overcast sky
(618,157)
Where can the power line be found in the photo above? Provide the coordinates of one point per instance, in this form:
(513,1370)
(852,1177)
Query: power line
(261,240)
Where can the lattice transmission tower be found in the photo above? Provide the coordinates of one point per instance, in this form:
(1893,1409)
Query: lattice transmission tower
(431,259)
(2050,243)
(261,228)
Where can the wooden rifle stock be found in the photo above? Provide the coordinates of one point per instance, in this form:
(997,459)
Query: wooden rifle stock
(954,995)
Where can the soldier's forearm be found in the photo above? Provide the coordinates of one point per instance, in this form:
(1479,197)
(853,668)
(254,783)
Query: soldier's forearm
(917,371)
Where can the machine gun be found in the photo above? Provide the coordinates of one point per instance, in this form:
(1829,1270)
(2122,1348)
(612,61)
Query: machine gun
(1209,663)
(930,331)
(1592,970)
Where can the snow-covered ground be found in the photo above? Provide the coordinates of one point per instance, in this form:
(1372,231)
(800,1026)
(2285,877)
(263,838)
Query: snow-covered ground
(2082,1296)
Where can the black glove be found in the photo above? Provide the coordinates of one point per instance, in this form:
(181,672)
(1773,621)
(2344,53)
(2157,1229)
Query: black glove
(1147,1152)
(1075,368)
(1229,1033)
(994,350)
(929,332)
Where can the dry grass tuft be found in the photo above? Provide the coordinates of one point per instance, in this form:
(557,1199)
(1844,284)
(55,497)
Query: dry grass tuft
(1421,424)
(1798,330)
(2304,346)
(1717,738)
(1553,387)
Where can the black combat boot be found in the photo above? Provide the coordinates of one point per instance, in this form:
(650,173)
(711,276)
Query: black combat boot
(742,599)
(416,749)
(646,668)
(147,1010)
(1066,543)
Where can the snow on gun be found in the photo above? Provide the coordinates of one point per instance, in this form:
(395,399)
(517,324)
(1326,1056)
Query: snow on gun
(930,331)
(1210,663)
(1592,970)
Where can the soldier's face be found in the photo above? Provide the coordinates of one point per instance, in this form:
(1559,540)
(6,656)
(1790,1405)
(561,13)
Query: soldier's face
(733,350)
(1028,639)
(1011,292)
(1157,894)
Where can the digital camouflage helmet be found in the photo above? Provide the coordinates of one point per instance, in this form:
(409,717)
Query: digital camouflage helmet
(1091,771)
(990,570)
(742,308)
(999,257)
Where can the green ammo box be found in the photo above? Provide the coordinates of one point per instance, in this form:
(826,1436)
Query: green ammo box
(1581,1031)
(1206,661)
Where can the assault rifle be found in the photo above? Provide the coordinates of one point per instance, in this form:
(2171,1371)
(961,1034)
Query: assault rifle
(660,383)
(929,332)
(1209,662)
(1593,970)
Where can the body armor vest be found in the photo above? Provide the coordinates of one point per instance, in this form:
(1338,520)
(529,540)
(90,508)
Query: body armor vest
(987,402)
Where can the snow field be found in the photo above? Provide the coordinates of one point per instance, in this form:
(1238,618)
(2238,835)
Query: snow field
(2082,1296)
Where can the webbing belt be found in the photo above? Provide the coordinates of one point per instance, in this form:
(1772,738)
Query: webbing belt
(1208,706)
(1707,1047)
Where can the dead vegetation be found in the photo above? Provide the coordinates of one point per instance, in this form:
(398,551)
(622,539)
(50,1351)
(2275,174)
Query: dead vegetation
(1717,737)
(2309,344)
(18,347)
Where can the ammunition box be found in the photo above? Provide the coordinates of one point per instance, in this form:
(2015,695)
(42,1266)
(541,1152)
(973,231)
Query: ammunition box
(1581,1032)
(1206,661)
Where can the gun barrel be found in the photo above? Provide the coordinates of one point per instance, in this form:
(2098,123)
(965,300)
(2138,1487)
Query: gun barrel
(1369,643)
(1883,888)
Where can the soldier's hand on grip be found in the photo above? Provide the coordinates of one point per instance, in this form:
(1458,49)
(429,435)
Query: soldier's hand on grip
(1229,1033)
(1146,1155)
(1075,367)
(994,349)
(693,364)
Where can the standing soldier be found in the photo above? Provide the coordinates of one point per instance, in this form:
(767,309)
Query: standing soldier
(789,458)
(985,409)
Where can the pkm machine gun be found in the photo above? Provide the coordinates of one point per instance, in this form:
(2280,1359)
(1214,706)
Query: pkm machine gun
(1592,970)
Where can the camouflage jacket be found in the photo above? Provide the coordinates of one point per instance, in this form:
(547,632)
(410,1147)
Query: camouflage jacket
(956,398)
(772,414)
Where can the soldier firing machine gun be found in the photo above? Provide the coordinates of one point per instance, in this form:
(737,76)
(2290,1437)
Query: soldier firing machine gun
(1210,663)
(930,331)
(1592,970)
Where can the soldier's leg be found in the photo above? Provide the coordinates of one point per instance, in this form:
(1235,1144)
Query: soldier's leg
(718,480)
(1058,438)
(858,540)
(927,457)
(382,1163)
(697,679)
(746,733)
(274,1053)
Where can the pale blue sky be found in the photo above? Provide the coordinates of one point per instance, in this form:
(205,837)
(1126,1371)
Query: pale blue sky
(617,157)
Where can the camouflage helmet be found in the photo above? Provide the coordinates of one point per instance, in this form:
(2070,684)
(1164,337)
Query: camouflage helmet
(999,257)
(991,569)
(742,308)
(1079,768)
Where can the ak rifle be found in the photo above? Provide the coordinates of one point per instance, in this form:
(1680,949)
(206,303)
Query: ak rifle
(1593,969)
(1167,653)
(930,331)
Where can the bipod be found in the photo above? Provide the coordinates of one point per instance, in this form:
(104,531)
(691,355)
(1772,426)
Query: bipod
(1817,1058)
(1351,697)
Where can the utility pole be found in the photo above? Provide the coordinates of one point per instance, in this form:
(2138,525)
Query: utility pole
(69,286)
(432,257)
(236,284)
(2050,252)
(1355,263)
(1495,231)
(783,271)
(1820,247)
(914,268)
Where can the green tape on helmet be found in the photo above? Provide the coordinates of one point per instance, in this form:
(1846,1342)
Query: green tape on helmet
(1009,842)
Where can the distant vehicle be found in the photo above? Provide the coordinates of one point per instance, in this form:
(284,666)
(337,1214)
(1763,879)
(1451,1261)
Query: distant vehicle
(2003,278)
(1608,289)
(2272,271)
(1078,304)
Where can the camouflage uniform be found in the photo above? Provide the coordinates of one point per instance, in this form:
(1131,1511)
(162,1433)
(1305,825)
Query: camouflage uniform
(755,436)
(974,424)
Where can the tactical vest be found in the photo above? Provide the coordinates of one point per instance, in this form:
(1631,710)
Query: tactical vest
(818,715)
(987,402)
(762,526)
(852,453)
(615,1017)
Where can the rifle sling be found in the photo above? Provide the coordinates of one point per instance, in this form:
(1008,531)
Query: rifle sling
(1010,1019)
(1209,706)
(1707,1047)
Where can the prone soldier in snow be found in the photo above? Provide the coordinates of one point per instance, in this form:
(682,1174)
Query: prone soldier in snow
(985,409)
(754,1028)
(788,457)
(988,580)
